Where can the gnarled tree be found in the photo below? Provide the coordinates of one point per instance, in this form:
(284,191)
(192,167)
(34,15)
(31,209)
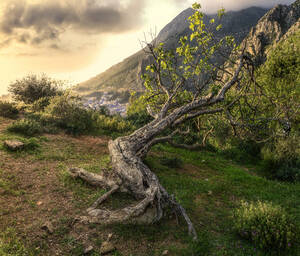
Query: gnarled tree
(181,84)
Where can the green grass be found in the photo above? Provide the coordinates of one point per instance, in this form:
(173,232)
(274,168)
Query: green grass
(11,245)
(31,145)
(210,193)
(9,185)
(208,185)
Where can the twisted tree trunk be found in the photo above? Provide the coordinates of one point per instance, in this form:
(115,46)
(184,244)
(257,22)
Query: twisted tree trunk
(132,176)
(129,173)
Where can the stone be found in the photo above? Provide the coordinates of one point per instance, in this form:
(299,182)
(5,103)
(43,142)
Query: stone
(109,237)
(48,227)
(107,247)
(88,249)
(165,252)
(13,145)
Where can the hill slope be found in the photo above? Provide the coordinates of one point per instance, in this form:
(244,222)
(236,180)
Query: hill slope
(273,27)
(126,74)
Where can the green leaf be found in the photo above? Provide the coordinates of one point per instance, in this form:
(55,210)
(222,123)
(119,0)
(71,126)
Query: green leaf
(221,13)
(163,64)
(196,6)
(219,27)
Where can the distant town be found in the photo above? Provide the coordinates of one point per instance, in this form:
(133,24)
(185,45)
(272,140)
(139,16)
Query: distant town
(106,100)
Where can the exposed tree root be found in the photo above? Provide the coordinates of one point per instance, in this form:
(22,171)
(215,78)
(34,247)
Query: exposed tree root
(132,176)
(102,198)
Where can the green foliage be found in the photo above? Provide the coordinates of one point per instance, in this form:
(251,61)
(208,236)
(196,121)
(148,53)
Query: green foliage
(111,124)
(137,113)
(243,151)
(266,225)
(68,113)
(8,110)
(40,104)
(178,75)
(282,158)
(32,88)
(26,127)
(270,107)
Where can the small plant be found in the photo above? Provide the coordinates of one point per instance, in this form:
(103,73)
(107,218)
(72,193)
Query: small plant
(265,224)
(25,127)
(8,110)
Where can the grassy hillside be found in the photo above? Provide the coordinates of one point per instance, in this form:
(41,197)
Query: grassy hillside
(35,187)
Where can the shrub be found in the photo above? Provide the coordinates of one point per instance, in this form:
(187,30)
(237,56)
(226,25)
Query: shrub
(40,104)
(26,127)
(32,88)
(281,159)
(112,124)
(68,113)
(136,112)
(265,224)
(31,144)
(243,151)
(8,110)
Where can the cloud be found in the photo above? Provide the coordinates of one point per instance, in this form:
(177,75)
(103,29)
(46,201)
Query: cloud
(45,21)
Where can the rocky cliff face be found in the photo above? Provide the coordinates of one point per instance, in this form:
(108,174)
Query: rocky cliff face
(126,75)
(275,25)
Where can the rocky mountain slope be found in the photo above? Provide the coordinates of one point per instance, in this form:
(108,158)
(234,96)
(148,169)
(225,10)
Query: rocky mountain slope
(274,26)
(254,27)
(126,74)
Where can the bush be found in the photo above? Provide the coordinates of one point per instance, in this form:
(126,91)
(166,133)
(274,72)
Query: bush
(136,112)
(40,104)
(112,124)
(8,110)
(265,224)
(244,151)
(25,127)
(32,88)
(68,113)
(281,159)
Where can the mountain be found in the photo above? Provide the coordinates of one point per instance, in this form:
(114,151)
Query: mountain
(125,75)
(274,26)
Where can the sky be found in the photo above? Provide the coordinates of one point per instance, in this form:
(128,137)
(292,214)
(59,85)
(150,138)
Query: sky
(75,40)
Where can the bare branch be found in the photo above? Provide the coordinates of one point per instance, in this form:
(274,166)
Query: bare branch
(196,114)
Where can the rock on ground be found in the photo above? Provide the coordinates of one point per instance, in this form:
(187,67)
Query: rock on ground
(13,145)
(107,247)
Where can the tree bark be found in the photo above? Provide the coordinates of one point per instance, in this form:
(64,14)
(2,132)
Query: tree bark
(129,174)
